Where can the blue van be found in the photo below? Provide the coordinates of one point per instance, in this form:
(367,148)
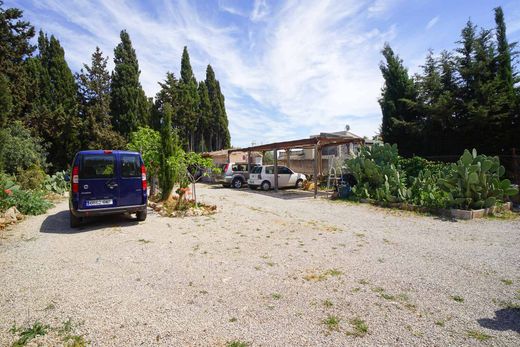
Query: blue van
(107,182)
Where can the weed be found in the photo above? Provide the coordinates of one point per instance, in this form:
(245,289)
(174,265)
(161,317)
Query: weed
(270,264)
(75,341)
(506,282)
(363,281)
(29,333)
(312,277)
(276,296)
(457,298)
(359,234)
(233,319)
(333,272)
(378,289)
(237,343)
(360,327)
(332,322)
(50,306)
(478,335)
(387,296)
(440,323)
(144,241)
(327,303)
(258,268)
(356,289)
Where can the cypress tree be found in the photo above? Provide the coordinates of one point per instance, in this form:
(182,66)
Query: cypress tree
(167,94)
(94,94)
(203,127)
(15,48)
(168,149)
(397,99)
(128,104)
(187,110)
(223,121)
(215,134)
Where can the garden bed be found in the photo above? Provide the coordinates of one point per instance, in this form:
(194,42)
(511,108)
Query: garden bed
(186,208)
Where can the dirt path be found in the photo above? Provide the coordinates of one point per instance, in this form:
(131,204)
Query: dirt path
(267,269)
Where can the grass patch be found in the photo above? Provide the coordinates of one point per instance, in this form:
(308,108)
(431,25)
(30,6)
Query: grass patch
(144,241)
(360,327)
(478,335)
(387,296)
(314,277)
(440,323)
(378,289)
(276,296)
(28,333)
(507,282)
(237,343)
(333,272)
(457,298)
(233,319)
(327,303)
(332,322)
(363,282)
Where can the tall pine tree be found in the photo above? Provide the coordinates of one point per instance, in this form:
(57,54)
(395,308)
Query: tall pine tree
(204,125)
(187,108)
(128,105)
(94,94)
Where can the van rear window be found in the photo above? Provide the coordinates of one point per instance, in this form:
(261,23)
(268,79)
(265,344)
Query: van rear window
(130,166)
(97,166)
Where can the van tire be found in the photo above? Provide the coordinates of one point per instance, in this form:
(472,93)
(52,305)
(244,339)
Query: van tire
(74,221)
(237,183)
(141,215)
(265,186)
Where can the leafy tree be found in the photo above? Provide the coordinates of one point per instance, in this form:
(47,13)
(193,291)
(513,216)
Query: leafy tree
(6,101)
(19,149)
(94,95)
(15,48)
(148,142)
(128,104)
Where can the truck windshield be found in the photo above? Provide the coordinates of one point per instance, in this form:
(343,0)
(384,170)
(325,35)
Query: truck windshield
(97,166)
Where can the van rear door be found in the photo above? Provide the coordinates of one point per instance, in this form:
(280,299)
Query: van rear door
(130,182)
(98,184)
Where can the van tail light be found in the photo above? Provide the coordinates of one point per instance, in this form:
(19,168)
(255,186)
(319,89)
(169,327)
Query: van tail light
(75,179)
(143,177)
(226,168)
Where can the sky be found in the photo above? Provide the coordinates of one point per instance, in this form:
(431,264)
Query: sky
(288,69)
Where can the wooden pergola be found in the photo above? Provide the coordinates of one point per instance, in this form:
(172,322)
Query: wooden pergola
(316,143)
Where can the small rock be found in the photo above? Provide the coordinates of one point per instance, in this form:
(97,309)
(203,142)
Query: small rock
(10,215)
(2,221)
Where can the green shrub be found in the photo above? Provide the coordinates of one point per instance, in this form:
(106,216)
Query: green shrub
(56,183)
(474,182)
(413,166)
(7,186)
(28,202)
(19,149)
(32,178)
(425,190)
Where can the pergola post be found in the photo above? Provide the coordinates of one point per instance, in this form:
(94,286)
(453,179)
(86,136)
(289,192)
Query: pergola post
(228,157)
(288,155)
(249,161)
(315,176)
(275,157)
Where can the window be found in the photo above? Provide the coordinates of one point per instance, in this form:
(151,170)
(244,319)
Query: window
(269,170)
(256,170)
(97,166)
(130,166)
(284,170)
(234,167)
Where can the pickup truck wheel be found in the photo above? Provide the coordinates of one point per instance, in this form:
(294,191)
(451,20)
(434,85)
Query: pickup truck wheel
(266,185)
(237,183)
(74,221)
(141,215)
(299,184)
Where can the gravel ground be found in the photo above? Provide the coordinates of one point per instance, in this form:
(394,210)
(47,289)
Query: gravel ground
(268,269)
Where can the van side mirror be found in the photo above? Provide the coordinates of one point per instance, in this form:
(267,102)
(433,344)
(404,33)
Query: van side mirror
(67,177)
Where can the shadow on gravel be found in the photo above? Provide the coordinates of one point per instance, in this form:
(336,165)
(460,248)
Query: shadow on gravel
(505,319)
(58,223)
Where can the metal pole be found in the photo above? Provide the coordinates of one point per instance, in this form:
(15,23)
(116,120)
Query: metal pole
(315,170)
(288,154)
(249,161)
(275,157)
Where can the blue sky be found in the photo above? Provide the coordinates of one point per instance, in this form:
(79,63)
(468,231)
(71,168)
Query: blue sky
(288,69)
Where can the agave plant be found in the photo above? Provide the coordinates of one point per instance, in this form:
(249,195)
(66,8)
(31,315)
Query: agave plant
(475,182)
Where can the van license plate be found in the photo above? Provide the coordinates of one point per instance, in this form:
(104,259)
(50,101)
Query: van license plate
(99,202)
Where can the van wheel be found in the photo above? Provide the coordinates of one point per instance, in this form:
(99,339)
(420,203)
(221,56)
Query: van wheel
(299,184)
(141,215)
(265,186)
(237,183)
(74,221)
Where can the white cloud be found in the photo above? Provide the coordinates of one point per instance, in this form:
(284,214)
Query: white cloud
(260,10)
(432,22)
(306,67)
(382,8)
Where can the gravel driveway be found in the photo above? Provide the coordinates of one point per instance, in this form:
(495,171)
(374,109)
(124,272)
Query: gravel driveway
(269,270)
